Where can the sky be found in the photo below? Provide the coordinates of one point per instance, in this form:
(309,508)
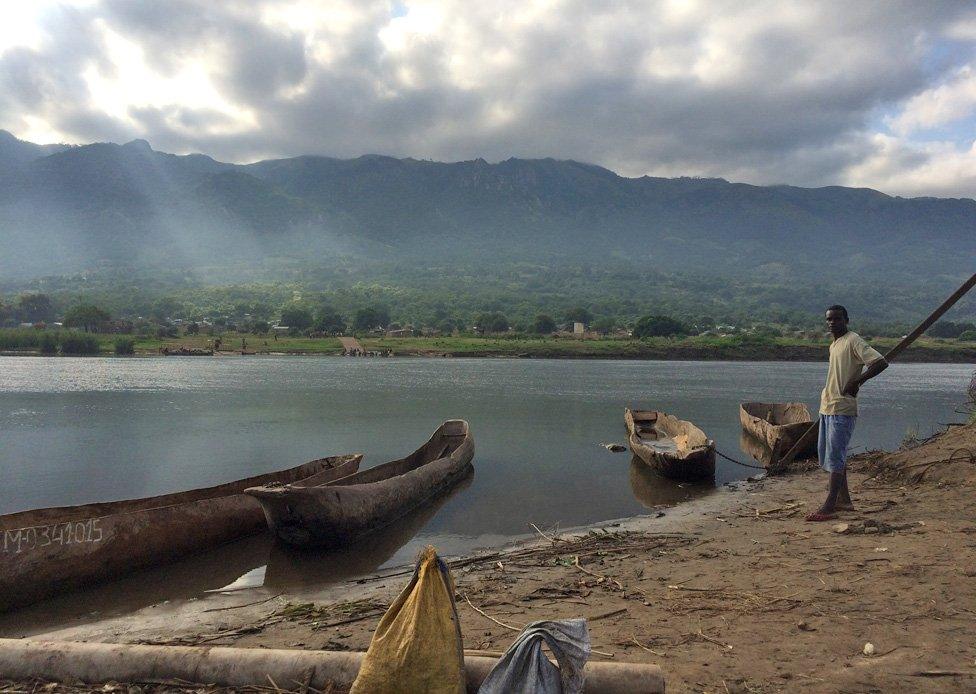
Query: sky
(854,93)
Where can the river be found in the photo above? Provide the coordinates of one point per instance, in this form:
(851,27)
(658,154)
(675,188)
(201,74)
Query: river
(99,429)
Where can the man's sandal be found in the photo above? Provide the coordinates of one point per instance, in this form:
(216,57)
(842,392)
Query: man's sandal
(819,517)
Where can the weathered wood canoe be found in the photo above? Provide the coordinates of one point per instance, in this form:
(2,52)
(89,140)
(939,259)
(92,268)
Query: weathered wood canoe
(777,423)
(52,550)
(671,446)
(337,513)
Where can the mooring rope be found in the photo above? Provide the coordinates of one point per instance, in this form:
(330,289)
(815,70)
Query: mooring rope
(737,462)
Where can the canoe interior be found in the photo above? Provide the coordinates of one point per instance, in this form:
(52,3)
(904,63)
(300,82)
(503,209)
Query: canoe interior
(334,514)
(667,434)
(447,439)
(779,413)
(320,467)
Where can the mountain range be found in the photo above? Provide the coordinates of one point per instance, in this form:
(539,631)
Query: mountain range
(66,209)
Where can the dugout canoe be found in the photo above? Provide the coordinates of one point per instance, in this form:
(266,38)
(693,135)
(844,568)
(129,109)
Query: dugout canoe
(335,514)
(52,550)
(777,423)
(670,446)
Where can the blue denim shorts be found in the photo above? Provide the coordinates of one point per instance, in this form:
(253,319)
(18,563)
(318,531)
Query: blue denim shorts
(835,435)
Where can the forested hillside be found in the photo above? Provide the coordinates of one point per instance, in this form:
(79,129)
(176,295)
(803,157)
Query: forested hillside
(521,234)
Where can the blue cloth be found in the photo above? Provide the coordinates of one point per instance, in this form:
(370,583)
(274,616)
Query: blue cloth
(525,669)
(834,437)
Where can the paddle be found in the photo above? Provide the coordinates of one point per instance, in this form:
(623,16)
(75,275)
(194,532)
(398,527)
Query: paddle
(808,435)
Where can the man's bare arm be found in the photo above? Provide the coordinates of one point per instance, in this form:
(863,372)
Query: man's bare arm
(874,368)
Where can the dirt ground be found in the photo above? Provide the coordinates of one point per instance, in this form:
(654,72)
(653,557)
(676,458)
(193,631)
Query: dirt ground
(731,593)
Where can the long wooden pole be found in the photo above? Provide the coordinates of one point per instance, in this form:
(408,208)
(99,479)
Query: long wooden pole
(804,440)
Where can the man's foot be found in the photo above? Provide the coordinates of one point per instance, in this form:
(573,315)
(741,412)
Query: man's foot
(820,516)
(845,507)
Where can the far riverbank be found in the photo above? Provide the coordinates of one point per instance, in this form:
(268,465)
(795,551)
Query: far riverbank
(699,348)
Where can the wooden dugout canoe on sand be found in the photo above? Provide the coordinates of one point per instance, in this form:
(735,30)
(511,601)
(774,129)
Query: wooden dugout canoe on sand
(48,551)
(671,446)
(337,513)
(777,423)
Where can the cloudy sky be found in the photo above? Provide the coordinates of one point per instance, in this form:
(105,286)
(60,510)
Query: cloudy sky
(852,92)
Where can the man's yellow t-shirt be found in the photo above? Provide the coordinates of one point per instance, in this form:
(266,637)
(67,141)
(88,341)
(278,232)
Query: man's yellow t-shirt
(848,354)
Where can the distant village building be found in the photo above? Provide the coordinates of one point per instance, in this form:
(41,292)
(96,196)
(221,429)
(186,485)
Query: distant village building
(406,331)
(579,329)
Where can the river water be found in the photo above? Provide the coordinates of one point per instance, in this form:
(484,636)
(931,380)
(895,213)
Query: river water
(98,429)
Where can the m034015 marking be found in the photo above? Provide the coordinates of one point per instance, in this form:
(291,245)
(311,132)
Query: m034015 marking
(33,537)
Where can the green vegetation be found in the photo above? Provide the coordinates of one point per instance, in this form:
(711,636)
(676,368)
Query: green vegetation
(86,316)
(658,326)
(78,343)
(125,346)
(371,317)
(543,324)
(706,347)
(51,342)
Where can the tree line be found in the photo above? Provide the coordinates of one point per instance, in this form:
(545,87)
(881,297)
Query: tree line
(303,317)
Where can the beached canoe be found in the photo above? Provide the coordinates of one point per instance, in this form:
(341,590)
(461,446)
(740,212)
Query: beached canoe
(671,446)
(52,550)
(337,513)
(777,423)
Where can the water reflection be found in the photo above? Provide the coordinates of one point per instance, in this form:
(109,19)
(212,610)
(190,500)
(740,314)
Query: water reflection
(755,448)
(653,491)
(290,568)
(243,564)
(190,577)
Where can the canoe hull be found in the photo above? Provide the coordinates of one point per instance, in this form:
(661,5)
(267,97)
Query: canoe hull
(694,465)
(49,551)
(335,515)
(777,424)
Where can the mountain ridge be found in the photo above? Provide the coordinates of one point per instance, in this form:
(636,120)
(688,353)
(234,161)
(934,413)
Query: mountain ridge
(71,207)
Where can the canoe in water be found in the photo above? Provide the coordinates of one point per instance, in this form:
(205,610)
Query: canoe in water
(777,424)
(670,446)
(52,550)
(337,513)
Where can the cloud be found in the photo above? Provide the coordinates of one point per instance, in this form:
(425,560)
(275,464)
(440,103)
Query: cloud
(765,92)
(941,169)
(948,102)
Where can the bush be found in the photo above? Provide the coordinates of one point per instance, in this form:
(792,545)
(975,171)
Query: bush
(371,317)
(125,345)
(578,315)
(48,343)
(79,344)
(162,331)
(968,336)
(91,318)
(297,318)
(658,326)
(605,325)
(946,328)
(492,322)
(16,340)
(544,324)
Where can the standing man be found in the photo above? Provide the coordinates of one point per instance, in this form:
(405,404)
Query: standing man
(838,406)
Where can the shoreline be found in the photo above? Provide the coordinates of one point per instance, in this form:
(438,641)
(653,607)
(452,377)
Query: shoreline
(729,592)
(503,346)
(812,355)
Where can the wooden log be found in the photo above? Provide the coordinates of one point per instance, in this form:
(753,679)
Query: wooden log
(240,667)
